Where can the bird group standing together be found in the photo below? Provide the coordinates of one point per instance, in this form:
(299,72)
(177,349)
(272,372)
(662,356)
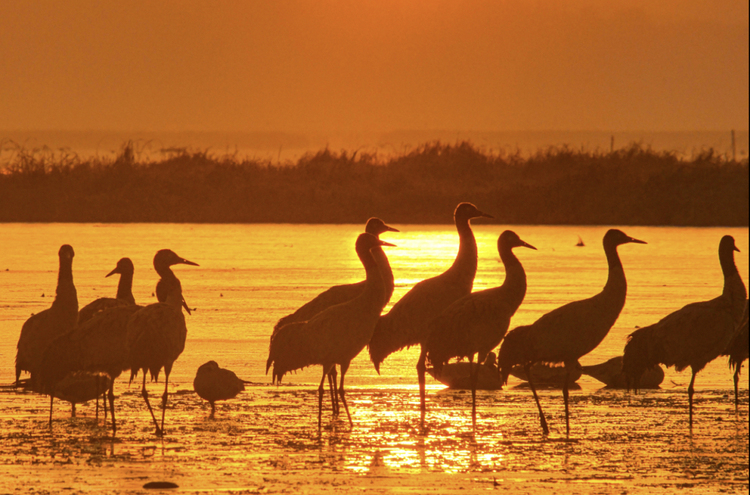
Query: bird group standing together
(440,314)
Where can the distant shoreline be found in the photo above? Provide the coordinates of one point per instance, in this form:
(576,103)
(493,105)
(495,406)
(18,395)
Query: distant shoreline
(280,146)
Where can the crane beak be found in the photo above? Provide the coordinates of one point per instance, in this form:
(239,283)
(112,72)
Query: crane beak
(187,262)
(637,241)
(526,244)
(116,270)
(383,243)
(388,228)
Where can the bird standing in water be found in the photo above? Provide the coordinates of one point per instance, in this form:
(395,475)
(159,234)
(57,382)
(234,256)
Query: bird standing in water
(476,323)
(409,322)
(694,335)
(213,383)
(337,334)
(124,295)
(156,333)
(571,331)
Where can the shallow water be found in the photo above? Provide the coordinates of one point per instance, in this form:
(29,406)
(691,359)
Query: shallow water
(266,439)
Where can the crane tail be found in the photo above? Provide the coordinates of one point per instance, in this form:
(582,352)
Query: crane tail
(640,354)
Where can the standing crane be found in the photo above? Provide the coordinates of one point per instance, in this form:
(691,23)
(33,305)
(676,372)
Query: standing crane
(337,334)
(124,295)
(409,322)
(694,335)
(476,323)
(156,334)
(571,331)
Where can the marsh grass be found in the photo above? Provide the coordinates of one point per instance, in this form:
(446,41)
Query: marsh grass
(634,185)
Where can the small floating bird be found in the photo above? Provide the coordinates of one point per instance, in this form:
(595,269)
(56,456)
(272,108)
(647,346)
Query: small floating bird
(342,293)
(124,292)
(738,351)
(694,335)
(610,373)
(213,383)
(42,328)
(337,334)
(571,331)
(477,322)
(156,334)
(409,322)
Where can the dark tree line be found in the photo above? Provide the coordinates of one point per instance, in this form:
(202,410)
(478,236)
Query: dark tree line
(630,186)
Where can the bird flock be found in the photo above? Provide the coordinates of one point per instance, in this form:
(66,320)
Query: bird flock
(77,355)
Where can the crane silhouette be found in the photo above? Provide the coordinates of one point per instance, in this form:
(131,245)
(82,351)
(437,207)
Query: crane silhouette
(476,323)
(409,322)
(213,383)
(42,328)
(565,334)
(156,334)
(337,334)
(610,373)
(124,292)
(342,293)
(96,346)
(694,335)
(738,351)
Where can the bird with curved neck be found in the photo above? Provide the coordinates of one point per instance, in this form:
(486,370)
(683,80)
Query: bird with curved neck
(476,323)
(163,261)
(337,334)
(694,335)
(42,328)
(124,295)
(571,331)
(408,321)
(156,334)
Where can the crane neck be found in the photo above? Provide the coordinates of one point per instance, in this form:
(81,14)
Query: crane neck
(166,283)
(734,287)
(125,287)
(384,271)
(515,275)
(616,284)
(65,293)
(466,259)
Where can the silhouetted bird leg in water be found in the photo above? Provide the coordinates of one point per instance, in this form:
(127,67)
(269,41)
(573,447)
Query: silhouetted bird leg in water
(321,391)
(144,394)
(344,369)
(690,399)
(334,391)
(111,397)
(421,370)
(566,398)
(473,375)
(51,400)
(545,428)
(736,387)
(165,396)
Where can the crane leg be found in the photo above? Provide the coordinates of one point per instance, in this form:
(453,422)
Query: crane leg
(691,390)
(736,387)
(213,411)
(473,373)
(72,410)
(566,399)
(51,399)
(344,369)
(334,393)
(421,370)
(545,429)
(321,391)
(111,397)
(164,398)
(144,394)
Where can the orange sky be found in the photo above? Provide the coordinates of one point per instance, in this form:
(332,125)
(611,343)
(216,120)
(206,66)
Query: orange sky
(374,65)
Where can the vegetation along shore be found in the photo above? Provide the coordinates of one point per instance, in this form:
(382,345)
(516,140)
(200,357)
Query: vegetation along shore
(634,185)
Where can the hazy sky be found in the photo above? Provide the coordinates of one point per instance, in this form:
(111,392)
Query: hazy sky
(374,65)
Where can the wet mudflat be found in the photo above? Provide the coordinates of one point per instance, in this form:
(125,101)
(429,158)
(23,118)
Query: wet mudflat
(266,441)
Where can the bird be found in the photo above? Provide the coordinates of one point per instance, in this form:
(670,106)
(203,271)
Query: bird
(96,346)
(547,375)
(457,375)
(213,383)
(694,335)
(124,292)
(573,330)
(342,293)
(476,323)
(409,321)
(738,351)
(337,334)
(42,328)
(156,334)
(610,373)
